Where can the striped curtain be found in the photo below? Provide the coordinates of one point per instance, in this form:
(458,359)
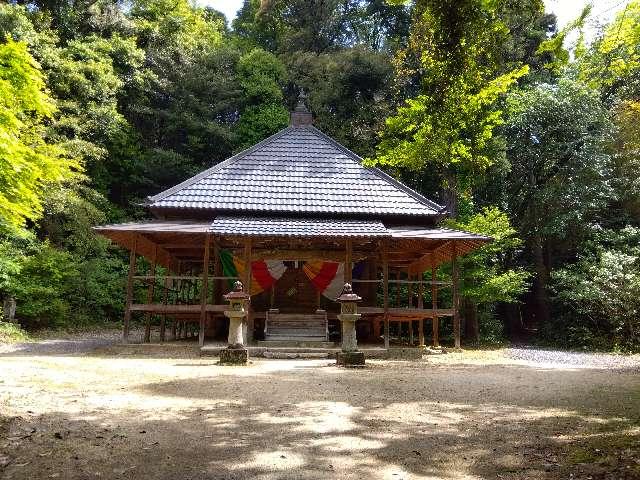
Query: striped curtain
(264,273)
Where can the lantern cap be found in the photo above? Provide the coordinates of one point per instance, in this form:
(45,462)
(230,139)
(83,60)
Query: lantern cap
(237,293)
(347,295)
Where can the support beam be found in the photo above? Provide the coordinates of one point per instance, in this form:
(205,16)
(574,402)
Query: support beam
(246,280)
(204,294)
(217,272)
(435,323)
(163,319)
(305,255)
(144,247)
(421,305)
(348,255)
(385,290)
(456,299)
(150,291)
(424,261)
(129,300)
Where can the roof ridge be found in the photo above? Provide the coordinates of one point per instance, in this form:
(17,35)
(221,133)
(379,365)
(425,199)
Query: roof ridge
(376,171)
(191,180)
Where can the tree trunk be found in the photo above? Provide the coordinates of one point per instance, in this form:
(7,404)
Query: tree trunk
(510,313)
(471,326)
(451,195)
(541,296)
(9,309)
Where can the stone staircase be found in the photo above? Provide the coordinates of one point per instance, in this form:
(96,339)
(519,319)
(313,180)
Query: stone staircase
(296,327)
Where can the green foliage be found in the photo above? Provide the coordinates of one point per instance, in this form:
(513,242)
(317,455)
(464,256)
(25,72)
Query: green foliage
(626,162)
(176,25)
(556,44)
(260,121)
(12,333)
(453,62)
(557,137)
(43,284)
(54,287)
(28,163)
(599,296)
(612,65)
(456,136)
(485,277)
(261,75)
(349,93)
(320,26)
(468,95)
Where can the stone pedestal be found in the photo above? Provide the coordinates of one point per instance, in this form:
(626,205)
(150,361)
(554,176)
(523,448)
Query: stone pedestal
(236,330)
(236,353)
(234,356)
(350,359)
(350,356)
(349,340)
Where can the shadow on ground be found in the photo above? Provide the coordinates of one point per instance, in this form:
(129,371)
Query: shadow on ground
(309,420)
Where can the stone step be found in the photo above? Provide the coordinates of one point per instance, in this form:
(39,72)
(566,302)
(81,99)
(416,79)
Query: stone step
(288,337)
(317,352)
(297,343)
(291,355)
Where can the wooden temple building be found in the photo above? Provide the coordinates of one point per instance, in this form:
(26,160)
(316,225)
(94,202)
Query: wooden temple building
(304,213)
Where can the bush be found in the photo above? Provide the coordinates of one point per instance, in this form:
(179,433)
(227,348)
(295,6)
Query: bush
(491,327)
(11,333)
(56,288)
(597,299)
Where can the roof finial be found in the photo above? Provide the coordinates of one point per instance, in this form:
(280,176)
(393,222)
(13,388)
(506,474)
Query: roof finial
(301,115)
(301,107)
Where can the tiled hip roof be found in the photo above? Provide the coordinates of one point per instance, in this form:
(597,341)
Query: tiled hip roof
(298,170)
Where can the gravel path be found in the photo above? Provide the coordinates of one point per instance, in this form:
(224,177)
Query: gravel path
(69,343)
(81,342)
(573,359)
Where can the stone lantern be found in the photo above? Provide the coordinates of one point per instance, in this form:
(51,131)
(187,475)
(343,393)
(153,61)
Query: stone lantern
(350,356)
(236,353)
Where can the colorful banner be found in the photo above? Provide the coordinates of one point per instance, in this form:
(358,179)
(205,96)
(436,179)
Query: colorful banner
(264,273)
(327,277)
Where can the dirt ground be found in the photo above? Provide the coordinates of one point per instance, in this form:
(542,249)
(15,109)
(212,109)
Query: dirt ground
(167,414)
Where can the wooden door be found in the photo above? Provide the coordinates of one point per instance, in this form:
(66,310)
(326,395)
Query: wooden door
(294,293)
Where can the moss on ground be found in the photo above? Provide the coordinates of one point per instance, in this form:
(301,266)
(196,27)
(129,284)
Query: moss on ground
(610,452)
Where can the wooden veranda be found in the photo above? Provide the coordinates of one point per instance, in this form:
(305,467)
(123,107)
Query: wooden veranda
(176,275)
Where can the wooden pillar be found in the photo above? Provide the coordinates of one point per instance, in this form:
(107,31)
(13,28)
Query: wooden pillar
(385,290)
(420,278)
(409,290)
(150,290)
(348,255)
(129,299)
(247,287)
(435,326)
(217,272)
(204,294)
(411,332)
(163,319)
(456,299)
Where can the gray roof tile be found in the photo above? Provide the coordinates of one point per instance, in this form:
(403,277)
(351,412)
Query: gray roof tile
(297,227)
(301,170)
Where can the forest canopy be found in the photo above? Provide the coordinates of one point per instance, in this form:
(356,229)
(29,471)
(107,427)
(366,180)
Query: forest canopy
(477,104)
